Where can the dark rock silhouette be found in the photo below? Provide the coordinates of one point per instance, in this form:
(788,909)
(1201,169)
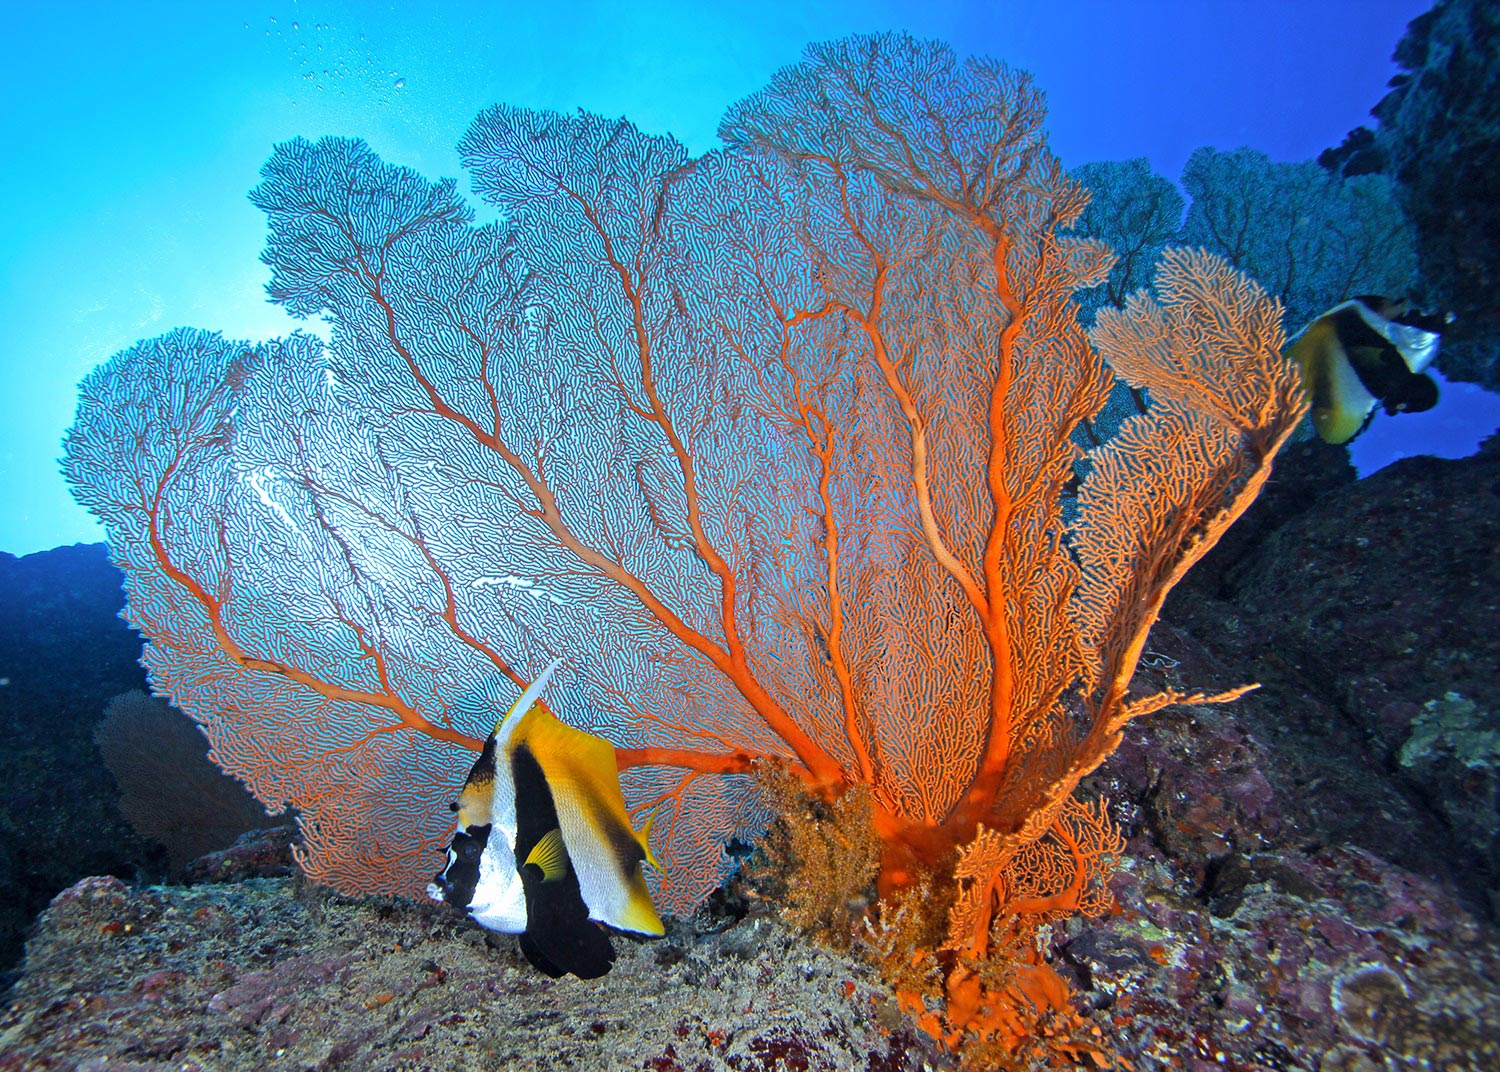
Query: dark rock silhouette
(1363,609)
(63,653)
(1438,136)
(1440,132)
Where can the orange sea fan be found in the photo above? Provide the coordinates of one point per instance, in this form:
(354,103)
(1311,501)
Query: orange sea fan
(775,446)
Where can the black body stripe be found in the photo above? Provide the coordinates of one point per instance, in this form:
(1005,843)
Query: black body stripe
(1381,368)
(560,937)
(484,767)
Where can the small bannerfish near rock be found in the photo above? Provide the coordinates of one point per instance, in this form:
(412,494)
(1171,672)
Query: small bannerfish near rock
(1365,352)
(544,846)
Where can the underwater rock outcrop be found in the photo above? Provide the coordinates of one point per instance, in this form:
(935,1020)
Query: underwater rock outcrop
(63,653)
(1439,137)
(1360,608)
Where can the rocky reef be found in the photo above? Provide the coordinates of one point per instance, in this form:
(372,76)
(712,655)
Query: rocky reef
(1370,614)
(273,973)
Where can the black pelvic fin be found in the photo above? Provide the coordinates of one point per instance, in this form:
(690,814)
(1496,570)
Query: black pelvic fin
(538,959)
(560,938)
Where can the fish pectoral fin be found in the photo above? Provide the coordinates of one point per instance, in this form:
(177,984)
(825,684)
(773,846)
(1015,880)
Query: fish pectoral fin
(549,856)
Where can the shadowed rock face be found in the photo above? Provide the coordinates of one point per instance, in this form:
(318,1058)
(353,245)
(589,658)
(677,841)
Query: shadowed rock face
(1363,611)
(1440,135)
(63,653)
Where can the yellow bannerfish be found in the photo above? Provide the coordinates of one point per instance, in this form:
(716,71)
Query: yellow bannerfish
(544,846)
(1365,352)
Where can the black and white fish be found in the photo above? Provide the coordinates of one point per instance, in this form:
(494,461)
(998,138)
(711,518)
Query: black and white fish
(1366,352)
(544,847)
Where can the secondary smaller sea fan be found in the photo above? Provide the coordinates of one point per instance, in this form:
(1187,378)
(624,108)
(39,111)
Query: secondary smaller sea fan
(169,791)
